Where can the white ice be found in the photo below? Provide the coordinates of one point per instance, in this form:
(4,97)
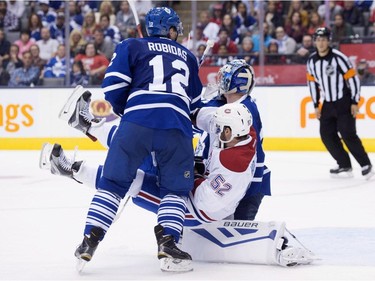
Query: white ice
(42,218)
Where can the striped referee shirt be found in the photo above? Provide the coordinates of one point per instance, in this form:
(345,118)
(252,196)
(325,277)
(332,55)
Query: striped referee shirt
(331,77)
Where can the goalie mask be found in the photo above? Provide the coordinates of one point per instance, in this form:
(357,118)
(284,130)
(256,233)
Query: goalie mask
(236,116)
(236,77)
(159,20)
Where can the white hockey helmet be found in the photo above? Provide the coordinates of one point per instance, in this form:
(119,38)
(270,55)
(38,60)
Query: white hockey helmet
(234,115)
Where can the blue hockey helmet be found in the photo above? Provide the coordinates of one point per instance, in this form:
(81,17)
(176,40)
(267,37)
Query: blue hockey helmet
(236,77)
(160,19)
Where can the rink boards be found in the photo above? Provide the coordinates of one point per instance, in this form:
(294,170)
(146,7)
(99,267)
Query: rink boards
(29,117)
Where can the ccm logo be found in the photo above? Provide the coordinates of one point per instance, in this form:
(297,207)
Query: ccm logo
(366,106)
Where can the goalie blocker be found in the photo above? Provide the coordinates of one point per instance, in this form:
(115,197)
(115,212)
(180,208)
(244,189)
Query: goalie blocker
(252,242)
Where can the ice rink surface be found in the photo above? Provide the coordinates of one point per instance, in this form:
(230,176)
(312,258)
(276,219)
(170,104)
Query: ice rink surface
(42,219)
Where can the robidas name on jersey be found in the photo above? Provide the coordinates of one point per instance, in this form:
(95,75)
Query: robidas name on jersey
(166,48)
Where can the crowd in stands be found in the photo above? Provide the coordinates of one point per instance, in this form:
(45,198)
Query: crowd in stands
(32,34)
(287,28)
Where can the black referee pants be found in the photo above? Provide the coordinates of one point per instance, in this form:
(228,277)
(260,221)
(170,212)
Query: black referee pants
(336,117)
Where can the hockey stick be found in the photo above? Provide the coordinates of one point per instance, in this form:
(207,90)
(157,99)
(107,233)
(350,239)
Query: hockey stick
(134,10)
(210,44)
(122,209)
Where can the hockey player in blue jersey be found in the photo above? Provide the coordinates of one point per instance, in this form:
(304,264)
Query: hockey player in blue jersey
(153,84)
(236,80)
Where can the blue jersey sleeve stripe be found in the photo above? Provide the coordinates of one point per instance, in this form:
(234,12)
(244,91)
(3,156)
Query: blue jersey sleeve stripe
(115,87)
(119,75)
(185,99)
(157,105)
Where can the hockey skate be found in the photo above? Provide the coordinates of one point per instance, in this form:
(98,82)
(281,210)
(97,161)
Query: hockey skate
(52,157)
(367,171)
(76,112)
(87,248)
(340,172)
(171,258)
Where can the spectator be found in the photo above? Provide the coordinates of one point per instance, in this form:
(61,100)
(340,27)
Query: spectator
(306,49)
(246,51)
(110,31)
(364,75)
(77,43)
(352,14)
(4,47)
(56,67)
(13,61)
(4,75)
(76,17)
(89,26)
(94,64)
(57,29)
(25,42)
(142,7)
(273,17)
(37,60)
(334,9)
(217,14)
(47,45)
(231,47)
(103,45)
(199,38)
(8,20)
(266,38)
(35,26)
(210,29)
(273,55)
(296,6)
(27,75)
(17,7)
(106,8)
(222,55)
(125,21)
(287,45)
(294,27)
(340,29)
(243,22)
(316,21)
(228,23)
(46,14)
(230,7)
(78,75)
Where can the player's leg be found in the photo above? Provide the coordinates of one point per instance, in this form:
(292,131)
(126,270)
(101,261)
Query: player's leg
(77,113)
(130,146)
(53,158)
(175,159)
(250,242)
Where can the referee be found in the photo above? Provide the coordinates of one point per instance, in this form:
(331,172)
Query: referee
(331,77)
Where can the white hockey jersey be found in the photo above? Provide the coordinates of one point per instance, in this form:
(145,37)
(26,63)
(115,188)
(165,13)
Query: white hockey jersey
(230,172)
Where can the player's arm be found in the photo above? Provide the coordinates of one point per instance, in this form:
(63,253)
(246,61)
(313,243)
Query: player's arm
(118,78)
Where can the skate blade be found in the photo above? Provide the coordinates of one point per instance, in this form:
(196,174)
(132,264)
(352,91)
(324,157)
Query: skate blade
(175,265)
(343,175)
(80,265)
(69,107)
(45,156)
